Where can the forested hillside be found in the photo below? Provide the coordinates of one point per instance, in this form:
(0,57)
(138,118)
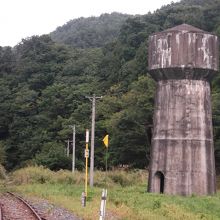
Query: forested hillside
(43,87)
(90,32)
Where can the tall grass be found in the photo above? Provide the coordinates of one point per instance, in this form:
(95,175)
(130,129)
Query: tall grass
(35,174)
(127,197)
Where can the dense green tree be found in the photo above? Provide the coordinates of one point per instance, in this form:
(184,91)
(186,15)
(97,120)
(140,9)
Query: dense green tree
(43,85)
(53,156)
(128,120)
(90,32)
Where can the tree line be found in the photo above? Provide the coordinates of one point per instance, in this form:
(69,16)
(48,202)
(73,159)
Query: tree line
(44,83)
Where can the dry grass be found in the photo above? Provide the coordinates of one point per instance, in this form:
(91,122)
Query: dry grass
(35,174)
(127,197)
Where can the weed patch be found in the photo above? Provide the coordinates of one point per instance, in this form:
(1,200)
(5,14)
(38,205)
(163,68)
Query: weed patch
(127,196)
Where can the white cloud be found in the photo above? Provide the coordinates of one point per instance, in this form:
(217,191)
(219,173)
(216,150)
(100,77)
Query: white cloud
(24,18)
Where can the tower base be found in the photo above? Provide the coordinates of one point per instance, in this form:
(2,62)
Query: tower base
(182,156)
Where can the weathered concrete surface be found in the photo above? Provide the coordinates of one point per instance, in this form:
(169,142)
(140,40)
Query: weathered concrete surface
(183,60)
(182,139)
(183,52)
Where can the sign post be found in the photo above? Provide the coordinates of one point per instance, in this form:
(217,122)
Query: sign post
(104,191)
(86,156)
(103,204)
(106,143)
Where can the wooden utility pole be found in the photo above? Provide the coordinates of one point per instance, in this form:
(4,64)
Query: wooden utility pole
(73,147)
(68,148)
(91,174)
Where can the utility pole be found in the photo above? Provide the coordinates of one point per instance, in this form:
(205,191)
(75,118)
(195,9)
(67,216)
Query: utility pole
(91,174)
(68,148)
(73,147)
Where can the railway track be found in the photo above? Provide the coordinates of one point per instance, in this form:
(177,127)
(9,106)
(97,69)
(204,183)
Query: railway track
(13,207)
(1,215)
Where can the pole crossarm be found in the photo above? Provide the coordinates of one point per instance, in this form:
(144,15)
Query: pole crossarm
(92,97)
(68,141)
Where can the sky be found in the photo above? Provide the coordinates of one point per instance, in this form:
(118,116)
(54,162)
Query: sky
(25,18)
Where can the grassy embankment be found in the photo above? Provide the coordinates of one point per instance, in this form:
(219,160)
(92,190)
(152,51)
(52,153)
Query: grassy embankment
(127,197)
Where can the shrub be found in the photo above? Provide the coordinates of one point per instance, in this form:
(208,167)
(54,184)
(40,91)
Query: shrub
(52,156)
(128,178)
(40,174)
(32,174)
(67,177)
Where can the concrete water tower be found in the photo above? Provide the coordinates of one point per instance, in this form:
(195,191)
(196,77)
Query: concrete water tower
(183,60)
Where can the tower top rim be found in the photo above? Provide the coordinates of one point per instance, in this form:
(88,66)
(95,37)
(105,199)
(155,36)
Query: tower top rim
(183,28)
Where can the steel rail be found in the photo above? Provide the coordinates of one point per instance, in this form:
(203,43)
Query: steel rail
(1,214)
(28,205)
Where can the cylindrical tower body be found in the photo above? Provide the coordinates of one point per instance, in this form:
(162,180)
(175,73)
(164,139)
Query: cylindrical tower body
(183,60)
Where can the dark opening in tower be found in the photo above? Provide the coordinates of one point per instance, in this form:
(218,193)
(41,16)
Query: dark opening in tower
(159,182)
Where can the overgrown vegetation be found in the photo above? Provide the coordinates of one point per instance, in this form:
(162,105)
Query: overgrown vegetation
(43,85)
(127,196)
(35,175)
